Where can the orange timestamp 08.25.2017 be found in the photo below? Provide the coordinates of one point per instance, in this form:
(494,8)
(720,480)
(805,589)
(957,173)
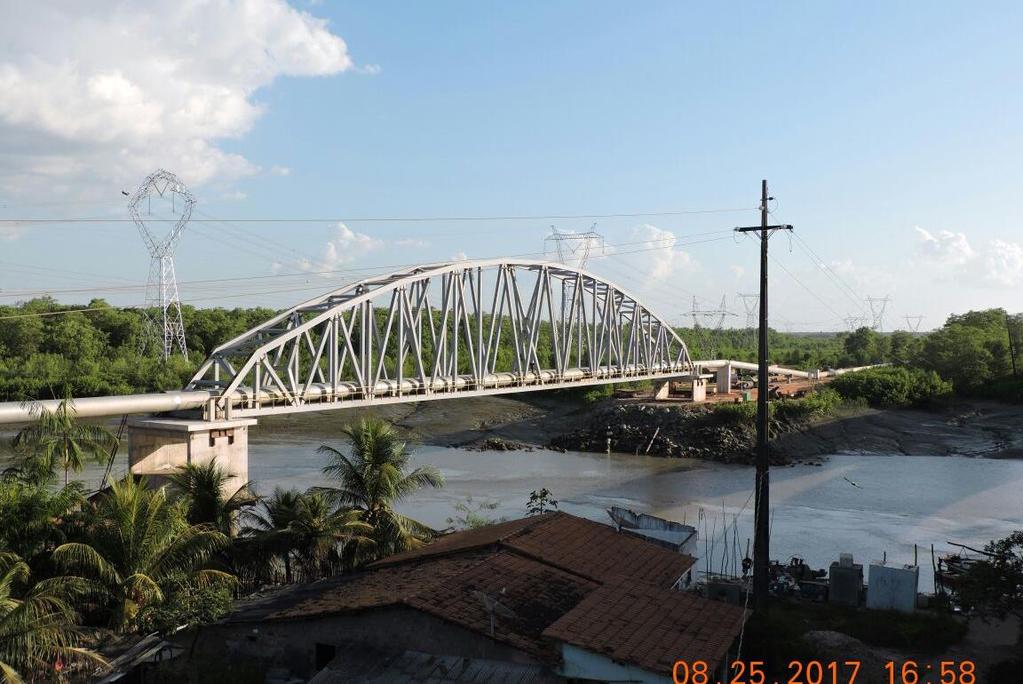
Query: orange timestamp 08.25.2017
(825,672)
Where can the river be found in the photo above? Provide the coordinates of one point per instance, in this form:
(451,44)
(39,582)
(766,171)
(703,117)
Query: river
(865,504)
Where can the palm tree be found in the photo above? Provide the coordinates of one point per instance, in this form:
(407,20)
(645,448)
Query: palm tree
(322,533)
(303,528)
(56,438)
(139,546)
(269,525)
(203,487)
(374,478)
(35,519)
(37,631)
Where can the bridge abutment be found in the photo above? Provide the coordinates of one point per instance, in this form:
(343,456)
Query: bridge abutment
(159,446)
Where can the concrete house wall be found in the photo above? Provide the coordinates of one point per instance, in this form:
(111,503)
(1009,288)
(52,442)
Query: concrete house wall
(292,643)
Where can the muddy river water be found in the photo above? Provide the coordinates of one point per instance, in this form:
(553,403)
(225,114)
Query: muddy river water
(865,504)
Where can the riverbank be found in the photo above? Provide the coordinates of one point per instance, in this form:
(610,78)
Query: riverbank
(976,429)
(564,421)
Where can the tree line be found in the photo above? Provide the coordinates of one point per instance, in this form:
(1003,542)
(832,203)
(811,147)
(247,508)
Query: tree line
(48,349)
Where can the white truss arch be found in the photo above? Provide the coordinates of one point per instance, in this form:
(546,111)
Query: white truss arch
(442,330)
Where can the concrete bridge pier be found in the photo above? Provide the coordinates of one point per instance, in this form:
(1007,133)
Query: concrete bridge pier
(158,446)
(723,382)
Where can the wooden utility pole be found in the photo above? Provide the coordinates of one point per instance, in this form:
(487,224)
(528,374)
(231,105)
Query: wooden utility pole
(761,507)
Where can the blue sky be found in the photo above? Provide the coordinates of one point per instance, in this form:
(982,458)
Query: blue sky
(890,133)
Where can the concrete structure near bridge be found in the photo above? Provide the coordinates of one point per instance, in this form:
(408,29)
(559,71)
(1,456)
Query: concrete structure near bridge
(158,446)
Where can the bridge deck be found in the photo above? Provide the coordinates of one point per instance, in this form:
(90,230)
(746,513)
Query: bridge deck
(196,402)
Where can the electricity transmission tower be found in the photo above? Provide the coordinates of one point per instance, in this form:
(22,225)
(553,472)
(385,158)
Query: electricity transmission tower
(714,316)
(751,304)
(854,322)
(913,323)
(877,308)
(162,287)
(573,250)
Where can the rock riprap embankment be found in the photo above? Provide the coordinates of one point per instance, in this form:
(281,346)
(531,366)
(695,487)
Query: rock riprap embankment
(673,431)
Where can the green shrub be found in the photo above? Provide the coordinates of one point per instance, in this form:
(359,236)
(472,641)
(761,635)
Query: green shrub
(919,631)
(188,605)
(598,393)
(891,386)
(817,404)
(734,414)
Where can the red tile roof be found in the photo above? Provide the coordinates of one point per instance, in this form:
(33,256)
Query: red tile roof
(382,587)
(555,577)
(650,627)
(599,551)
(584,547)
(530,596)
(457,542)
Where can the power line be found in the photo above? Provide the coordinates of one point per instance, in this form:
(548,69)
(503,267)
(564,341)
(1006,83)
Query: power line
(401,219)
(843,286)
(807,288)
(318,287)
(347,271)
(832,275)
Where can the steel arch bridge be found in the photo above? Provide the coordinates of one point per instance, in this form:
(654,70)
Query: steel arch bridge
(442,330)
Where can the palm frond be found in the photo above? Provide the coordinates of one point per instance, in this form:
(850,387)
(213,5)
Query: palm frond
(76,556)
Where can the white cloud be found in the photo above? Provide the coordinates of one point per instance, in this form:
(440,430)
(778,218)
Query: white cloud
(737,271)
(345,247)
(99,94)
(997,263)
(280,171)
(658,252)
(459,256)
(348,246)
(235,196)
(944,247)
(1003,263)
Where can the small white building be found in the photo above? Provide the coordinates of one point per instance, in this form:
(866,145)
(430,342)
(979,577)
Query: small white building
(892,587)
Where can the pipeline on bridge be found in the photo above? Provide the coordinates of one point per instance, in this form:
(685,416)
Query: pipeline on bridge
(320,397)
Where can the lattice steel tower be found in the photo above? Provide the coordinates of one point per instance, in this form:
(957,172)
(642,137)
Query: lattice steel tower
(854,322)
(162,287)
(877,308)
(716,317)
(573,250)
